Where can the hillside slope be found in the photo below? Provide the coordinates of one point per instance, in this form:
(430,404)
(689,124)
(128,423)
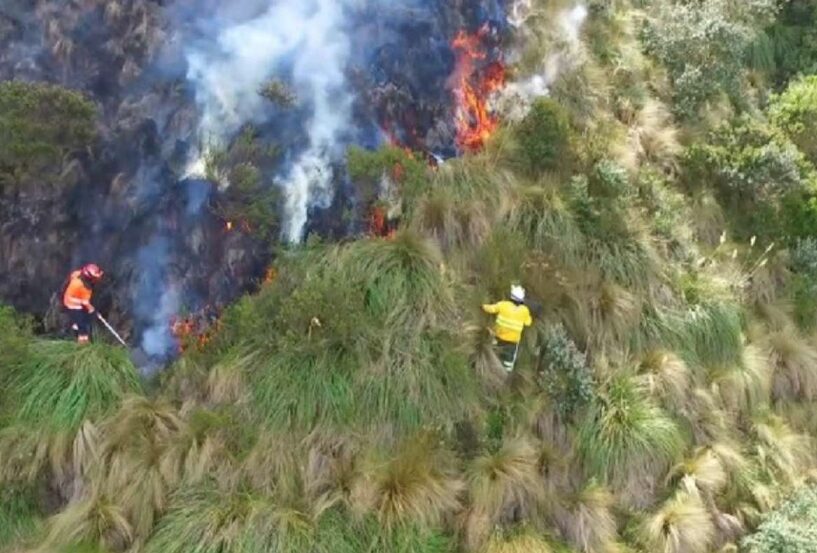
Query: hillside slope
(659,204)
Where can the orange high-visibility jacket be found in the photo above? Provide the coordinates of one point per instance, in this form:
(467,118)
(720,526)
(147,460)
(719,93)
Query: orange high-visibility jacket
(77,294)
(511,320)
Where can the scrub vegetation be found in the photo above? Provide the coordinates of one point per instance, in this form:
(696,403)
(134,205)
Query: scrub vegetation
(660,207)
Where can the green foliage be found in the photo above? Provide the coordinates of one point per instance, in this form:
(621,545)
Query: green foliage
(792,528)
(703,46)
(760,176)
(278,93)
(61,384)
(789,45)
(250,201)
(39,125)
(15,336)
(708,334)
(624,432)
(19,515)
(332,351)
(564,373)
(795,112)
(367,168)
(545,137)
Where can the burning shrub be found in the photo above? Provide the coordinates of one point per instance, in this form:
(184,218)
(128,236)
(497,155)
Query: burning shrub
(367,170)
(249,200)
(39,125)
(545,137)
(278,93)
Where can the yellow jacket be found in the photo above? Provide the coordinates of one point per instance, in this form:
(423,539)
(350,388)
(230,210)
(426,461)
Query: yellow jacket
(511,320)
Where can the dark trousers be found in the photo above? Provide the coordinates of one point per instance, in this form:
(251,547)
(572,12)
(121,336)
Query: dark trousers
(507,352)
(81,322)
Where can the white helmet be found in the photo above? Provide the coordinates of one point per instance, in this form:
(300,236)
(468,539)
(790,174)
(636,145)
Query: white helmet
(517,293)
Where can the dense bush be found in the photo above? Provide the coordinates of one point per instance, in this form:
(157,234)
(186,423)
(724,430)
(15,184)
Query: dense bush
(789,46)
(249,200)
(790,529)
(795,111)
(545,137)
(564,372)
(759,175)
(703,45)
(39,125)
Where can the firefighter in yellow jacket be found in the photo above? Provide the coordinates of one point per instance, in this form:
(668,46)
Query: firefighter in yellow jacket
(512,317)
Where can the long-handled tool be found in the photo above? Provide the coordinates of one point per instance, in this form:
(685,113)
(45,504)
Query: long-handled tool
(109,327)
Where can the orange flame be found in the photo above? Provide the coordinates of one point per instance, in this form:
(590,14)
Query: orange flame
(229,226)
(190,332)
(473,88)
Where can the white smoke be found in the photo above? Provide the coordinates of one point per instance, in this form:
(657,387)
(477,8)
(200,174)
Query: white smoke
(307,37)
(516,99)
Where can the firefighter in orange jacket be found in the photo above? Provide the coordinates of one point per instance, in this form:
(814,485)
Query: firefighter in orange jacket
(77,300)
(512,317)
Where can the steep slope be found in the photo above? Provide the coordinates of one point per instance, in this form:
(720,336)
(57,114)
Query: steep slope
(659,206)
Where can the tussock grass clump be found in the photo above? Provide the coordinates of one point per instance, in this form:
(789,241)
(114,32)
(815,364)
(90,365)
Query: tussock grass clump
(209,520)
(502,485)
(20,517)
(140,460)
(587,520)
(523,542)
(682,525)
(706,335)
(743,386)
(626,435)
(703,473)
(368,336)
(419,485)
(62,384)
(794,363)
(781,452)
(666,377)
(96,520)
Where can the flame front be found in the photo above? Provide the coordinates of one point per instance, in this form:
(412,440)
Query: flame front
(473,87)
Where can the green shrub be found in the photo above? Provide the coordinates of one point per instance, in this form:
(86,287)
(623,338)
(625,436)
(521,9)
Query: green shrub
(545,137)
(789,45)
(564,373)
(760,177)
(703,46)
(251,202)
(795,112)
(791,528)
(39,124)
(366,169)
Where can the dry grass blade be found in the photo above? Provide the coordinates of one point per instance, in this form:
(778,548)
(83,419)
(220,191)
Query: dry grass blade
(682,525)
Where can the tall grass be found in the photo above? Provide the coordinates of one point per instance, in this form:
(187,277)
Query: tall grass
(625,435)
(682,525)
(62,384)
(419,485)
(20,517)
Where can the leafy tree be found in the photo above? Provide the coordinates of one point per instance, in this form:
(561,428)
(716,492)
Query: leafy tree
(795,112)
(39,125)
(703,45)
